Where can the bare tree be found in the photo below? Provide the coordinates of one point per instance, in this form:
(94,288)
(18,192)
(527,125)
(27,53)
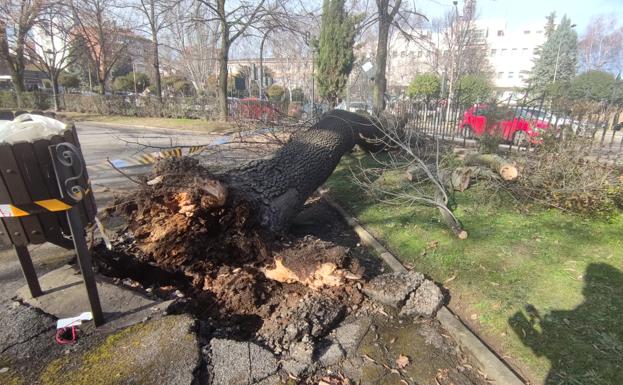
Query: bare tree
(193,38)
(17,17)
(103,36)
(154,13)
(389,14)
(50,49)
(281,27)
(601,46)
(234,21)
(293,63)
(464,48)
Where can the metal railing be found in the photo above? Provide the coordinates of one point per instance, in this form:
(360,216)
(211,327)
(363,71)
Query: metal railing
(519,123)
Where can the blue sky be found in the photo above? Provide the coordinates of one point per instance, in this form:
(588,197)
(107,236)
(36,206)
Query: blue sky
(521,12)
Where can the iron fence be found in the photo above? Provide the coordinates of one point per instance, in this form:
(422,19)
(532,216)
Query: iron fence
(519,123)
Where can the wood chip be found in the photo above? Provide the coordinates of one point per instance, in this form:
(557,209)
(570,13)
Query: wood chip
(402,361)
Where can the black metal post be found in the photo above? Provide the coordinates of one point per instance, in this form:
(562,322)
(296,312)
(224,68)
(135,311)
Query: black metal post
(84,260)
(29,271)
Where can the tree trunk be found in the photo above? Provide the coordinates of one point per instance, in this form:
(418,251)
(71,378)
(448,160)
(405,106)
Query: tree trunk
(54,78)
(157,79)
(17,77)
(380,81)
(223,59)
(261,84)
(277,187)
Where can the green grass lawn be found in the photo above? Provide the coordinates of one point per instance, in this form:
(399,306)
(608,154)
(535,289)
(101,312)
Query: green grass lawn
(542,287)
(182,124)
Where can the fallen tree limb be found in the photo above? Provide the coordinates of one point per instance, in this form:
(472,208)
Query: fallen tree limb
(506,169)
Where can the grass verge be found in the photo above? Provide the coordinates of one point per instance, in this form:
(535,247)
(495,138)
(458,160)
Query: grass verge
(543,288)
(181,124)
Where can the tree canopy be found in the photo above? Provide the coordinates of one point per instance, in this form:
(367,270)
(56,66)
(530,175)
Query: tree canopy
(558,57)
(593,85)
(425,86)
(275,92)
(474,89)
(126,82)
(335,58)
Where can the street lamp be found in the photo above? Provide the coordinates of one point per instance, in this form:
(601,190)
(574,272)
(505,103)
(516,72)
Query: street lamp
(558,57)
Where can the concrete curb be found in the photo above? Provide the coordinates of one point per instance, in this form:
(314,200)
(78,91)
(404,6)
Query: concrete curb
(493,367)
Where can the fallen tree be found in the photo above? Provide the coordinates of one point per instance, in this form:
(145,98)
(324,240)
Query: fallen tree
(187,219)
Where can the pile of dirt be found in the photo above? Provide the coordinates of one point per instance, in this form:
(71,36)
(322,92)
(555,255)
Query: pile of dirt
(185,232)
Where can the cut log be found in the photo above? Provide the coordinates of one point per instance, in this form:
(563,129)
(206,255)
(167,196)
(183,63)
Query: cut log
(506,169)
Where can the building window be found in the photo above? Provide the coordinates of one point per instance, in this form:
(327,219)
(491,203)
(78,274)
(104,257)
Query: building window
(510,75)
(524,50)
(500,75)
(539,31)
(514,51)
(493,52)
(503,52)
(500,32)
(526,32)
(419,53)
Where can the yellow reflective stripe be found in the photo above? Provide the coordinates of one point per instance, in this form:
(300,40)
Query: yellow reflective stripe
(53,205)
(144,159)
(18,212)
(7,211)
(178,152)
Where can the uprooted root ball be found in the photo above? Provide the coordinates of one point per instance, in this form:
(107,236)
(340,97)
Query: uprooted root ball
(186,221)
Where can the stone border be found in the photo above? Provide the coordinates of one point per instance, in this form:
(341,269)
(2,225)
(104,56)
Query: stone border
(493,367)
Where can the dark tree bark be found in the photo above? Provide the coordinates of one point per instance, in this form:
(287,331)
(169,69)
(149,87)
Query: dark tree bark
(380,80)
(279,186)
(386,16)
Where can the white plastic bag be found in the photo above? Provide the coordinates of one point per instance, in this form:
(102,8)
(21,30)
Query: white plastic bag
(28,128)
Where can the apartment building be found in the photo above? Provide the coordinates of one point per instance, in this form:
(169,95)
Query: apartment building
(510,52)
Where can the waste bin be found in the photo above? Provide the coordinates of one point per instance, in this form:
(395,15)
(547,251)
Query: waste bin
(45,195)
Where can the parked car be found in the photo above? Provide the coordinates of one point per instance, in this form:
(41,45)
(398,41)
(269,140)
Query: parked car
(253,108)
(553,119)
(515,126)
(356,106)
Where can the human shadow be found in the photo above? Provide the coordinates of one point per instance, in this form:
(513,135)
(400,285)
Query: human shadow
(584,345)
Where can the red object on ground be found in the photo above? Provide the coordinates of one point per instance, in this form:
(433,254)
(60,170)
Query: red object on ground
(475,120)
(68,335)
(253,108)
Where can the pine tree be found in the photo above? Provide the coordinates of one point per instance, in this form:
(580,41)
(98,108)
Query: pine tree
(335,58)
(558,57)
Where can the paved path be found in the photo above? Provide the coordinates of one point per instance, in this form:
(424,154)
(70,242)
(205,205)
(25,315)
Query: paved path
(102,141)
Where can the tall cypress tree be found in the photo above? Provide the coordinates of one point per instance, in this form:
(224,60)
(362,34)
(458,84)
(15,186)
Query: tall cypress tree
(335,50)
(558,58)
